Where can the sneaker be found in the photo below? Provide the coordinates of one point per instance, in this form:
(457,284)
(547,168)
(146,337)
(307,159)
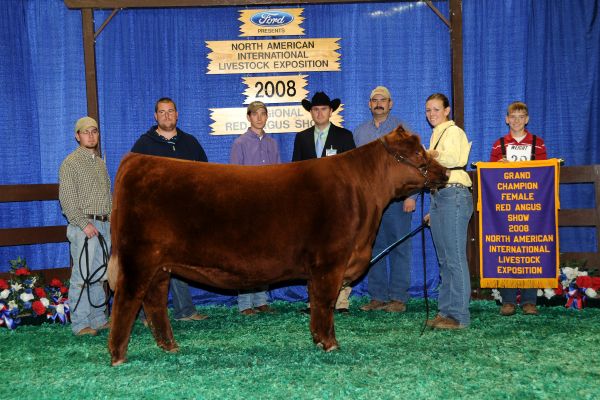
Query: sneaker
(448,323)
(249,311)
(87,331)
(374,305)
(433,322)
(395,306)
(193,317)
(508,309)
(529,309)
(265,308)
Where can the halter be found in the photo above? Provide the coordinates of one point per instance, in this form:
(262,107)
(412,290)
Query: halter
(401,159)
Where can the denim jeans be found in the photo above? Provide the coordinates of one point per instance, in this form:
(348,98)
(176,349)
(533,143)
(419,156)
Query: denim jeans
(384,285)
(528,296)
(451,209)
(183,306)
(86,315)
(251,299)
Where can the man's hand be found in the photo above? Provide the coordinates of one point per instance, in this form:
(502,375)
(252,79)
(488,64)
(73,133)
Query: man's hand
(426,219)
(90,230)
(409,205)
(433,153)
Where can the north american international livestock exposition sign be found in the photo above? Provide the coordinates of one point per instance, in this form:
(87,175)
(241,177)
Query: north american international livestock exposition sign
(518,224)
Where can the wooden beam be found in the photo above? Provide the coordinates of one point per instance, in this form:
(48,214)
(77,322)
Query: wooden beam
(577,217)
(89,59)
(9,193)
(35,235)
(75,4)
(456,44)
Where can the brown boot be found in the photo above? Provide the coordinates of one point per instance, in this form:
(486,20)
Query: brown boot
(432,322)
(395,306)
(374,305)
(508,309)
(448,323)
(529,309)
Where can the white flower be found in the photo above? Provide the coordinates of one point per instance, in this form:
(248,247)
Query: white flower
(4,294)
(45,301)
(60,308)
(571,273)
(540,293)
(16,287)
(589,292)
(12,304)
(496,294)
(548,293)
(25,297)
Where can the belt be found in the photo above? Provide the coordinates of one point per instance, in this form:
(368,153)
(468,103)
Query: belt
(102,218)
(456,185)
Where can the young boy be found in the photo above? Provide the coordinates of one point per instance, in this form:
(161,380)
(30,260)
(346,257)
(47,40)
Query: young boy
(255,147)
(518,145)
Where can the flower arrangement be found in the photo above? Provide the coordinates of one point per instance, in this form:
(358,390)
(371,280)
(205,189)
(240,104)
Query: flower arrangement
(574,287)
(24,296)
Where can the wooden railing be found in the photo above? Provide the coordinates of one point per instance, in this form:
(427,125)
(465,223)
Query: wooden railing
(579,217)
(33,235)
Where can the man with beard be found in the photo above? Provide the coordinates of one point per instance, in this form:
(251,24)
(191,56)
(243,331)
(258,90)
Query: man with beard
(84,194)
(388,289)
(166,140)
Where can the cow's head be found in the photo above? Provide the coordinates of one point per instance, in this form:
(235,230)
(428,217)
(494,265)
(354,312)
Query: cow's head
(406,148)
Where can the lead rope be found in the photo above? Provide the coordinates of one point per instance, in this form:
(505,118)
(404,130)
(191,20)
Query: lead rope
(88,279)
(424,265)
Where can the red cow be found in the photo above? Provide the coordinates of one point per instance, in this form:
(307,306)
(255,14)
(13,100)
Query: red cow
(237,227)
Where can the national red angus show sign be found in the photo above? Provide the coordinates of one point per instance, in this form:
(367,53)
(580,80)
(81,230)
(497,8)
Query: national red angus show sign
(518,223)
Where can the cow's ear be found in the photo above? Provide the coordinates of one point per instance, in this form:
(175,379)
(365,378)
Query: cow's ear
(401,132)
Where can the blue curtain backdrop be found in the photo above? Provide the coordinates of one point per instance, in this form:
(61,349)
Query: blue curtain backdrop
(544,53)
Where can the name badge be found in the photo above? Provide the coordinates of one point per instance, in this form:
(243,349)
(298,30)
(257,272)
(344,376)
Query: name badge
(330,152)
(518,152)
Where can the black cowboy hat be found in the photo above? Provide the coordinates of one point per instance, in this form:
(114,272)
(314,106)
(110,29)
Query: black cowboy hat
(321,99)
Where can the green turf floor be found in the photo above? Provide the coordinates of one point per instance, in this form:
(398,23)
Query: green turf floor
(228,356)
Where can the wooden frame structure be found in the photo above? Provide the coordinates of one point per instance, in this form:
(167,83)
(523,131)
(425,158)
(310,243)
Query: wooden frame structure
(89,35)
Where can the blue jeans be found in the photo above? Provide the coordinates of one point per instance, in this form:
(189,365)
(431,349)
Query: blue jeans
(528,296)
(183,306)
(451,209)
(250,299)
(86,315)
(393,285)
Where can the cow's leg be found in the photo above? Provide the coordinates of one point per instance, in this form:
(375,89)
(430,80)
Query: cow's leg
(126,304)
(155,307)
(323,292)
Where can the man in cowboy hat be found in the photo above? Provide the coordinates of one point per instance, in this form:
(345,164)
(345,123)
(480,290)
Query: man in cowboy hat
(322,140)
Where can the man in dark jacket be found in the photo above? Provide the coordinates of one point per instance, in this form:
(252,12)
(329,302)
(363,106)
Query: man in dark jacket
(322,140)
(166,140)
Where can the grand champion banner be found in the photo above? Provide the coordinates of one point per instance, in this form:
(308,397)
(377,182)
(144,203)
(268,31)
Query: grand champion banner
(518,224)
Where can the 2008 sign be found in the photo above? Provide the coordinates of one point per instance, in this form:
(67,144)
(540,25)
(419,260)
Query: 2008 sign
(278,88)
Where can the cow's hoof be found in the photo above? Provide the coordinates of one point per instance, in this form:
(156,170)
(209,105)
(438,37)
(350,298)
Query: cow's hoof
(329,348)
(117,362)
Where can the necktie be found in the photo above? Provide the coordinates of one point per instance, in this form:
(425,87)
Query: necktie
(320,144)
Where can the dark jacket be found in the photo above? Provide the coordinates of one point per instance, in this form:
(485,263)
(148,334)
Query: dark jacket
(338,138)
(183,146)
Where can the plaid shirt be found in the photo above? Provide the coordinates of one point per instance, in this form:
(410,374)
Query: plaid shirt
(84,187)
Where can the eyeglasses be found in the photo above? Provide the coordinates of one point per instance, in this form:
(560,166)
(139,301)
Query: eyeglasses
(90,132)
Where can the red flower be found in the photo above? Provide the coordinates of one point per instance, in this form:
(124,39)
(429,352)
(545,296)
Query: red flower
(39,292)
(63,290)
(55,283)
(22,272)
(3,284)
(588,282)
(38,307)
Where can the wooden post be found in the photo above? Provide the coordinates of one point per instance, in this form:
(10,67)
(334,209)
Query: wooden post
(89,58)
(458,95)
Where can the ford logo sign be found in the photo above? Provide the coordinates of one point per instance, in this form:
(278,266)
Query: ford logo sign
(271,18)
